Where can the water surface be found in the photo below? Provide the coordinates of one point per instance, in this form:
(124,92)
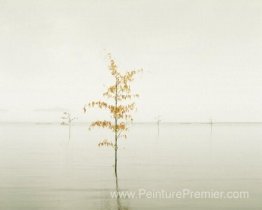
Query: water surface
(41,169)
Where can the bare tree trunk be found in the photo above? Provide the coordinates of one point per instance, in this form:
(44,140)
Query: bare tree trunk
(116,149)
(116,130)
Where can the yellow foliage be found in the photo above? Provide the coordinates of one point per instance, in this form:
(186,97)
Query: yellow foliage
(105,143)
(119,91)
(102,124)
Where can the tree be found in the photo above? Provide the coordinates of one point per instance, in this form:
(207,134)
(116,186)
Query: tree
(67,120)
(120,110)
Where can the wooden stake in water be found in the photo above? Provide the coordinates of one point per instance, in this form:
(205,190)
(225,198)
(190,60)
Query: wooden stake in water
(158,124)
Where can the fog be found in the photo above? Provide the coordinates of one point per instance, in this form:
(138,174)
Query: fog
(201,59)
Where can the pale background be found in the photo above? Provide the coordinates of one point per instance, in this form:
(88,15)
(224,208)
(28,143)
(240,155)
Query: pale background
(201,59)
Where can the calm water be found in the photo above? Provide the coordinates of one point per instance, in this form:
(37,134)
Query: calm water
(41,169)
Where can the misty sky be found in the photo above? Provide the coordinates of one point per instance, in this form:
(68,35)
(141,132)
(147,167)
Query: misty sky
(201,59)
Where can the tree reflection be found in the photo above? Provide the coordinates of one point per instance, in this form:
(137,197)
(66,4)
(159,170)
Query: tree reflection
(118,199)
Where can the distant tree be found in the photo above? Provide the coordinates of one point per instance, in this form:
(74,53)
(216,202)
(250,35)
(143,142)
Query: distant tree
(120,110)
(67,120)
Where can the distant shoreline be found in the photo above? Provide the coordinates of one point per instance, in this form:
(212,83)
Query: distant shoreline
(135,123)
